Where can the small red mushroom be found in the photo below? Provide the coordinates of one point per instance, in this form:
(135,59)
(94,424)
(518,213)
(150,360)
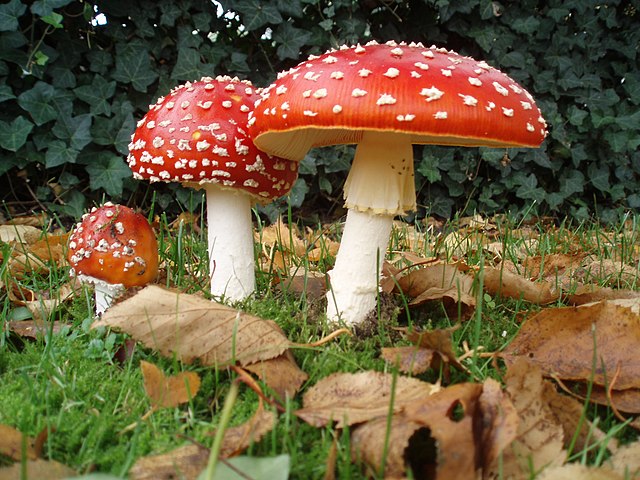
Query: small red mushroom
(197,136)
(114,248)
(385,98)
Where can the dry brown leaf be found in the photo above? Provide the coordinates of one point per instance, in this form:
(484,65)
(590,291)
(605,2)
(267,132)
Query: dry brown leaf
(584,294)
(311,284)
(281,374)
(502,282)
(561,341)
(440,341)
(185,462)
(350,398)
(192,327)
(11,443)
(449,414)
(606,271)
(446,282)
(539,439)
(34,329)
(38,469)
(575,471)
(237,439)
(499,420)
(19,233)
(626,461)
(412,360)
(38,255)
(368,445)
(569,413)
(167,392)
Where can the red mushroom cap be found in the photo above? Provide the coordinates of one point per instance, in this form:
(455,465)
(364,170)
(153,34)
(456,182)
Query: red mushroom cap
(197,134)
(116,245)
(435,95)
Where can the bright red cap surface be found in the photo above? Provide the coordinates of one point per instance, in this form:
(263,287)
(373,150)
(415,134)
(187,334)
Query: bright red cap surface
(116,245)
(434,95)
(197,134)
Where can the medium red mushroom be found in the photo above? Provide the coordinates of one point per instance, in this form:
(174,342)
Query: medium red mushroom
(197,136)
(385,98)
(114,248)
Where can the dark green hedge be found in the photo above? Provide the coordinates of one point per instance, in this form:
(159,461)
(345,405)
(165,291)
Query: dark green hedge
(73,86)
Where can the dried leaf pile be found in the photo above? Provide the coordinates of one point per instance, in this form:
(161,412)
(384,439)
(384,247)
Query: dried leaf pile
(577,344)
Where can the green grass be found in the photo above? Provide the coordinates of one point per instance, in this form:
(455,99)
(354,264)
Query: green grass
(71,383)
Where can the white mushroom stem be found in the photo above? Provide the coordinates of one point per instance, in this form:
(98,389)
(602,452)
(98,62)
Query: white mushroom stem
(230,240)
(380,185)
(104,292)
(354,278)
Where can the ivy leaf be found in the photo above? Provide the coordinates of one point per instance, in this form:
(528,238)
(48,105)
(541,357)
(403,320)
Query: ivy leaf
(133,65)
(74,129)
(255,13)
(37,101)
(59,153)
(188,66)
(9,14)
(528,189)
(108,171)
(599,177)
(290,39)
(572,182)
(42,8)
(272,468)
(97,95)
(6,93)
(14,135)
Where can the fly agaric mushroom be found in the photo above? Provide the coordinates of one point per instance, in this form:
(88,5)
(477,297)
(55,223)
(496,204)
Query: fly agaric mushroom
(384,98)
(114,248)
(197,136)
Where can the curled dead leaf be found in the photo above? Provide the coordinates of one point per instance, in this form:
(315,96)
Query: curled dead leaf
(350,398)
(192,327)
(186,462)
(167,392)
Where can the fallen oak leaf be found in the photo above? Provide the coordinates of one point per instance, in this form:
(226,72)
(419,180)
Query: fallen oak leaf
(351,398)
(450,415)
(167,392)
(186,462)
(192,327)
(539,436)
(502,282)
(11,443)
(561,341)
(280,373)
(37,469)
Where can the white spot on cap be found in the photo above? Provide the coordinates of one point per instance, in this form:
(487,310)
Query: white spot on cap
(446,72)
(329,59)
(490,106)
(397,52)
(284,106)
(386,99)
(440,115)
(158,142)
(306,93)
(508,112)
(415,74)
(405,118)
(364,72)
(469,100)
(185,104)
(281,90)
(530,128)
(500,89)
(206,105)
(227,103)
(392,72)
(359,49)
(431,94)
(151,124)
(475,81)
(516,89)
(202,145)
(311,76)
(526,105)
(337,75)
(427,54)
(320,93)
(337,108)
(357,92)
(310,113)
(421,65)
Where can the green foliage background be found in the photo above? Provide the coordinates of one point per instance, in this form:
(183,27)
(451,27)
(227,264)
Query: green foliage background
(73,87)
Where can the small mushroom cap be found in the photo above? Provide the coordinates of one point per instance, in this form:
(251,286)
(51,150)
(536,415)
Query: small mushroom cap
(114,244)
(197,134)
(433,95)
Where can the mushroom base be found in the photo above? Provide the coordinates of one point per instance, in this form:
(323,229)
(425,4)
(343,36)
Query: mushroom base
(104,292)
(230,240)
(381,177)
(354,278)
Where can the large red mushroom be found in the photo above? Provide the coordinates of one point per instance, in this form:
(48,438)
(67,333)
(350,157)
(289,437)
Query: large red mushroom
(385,98)
(196,135)
(114,248)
